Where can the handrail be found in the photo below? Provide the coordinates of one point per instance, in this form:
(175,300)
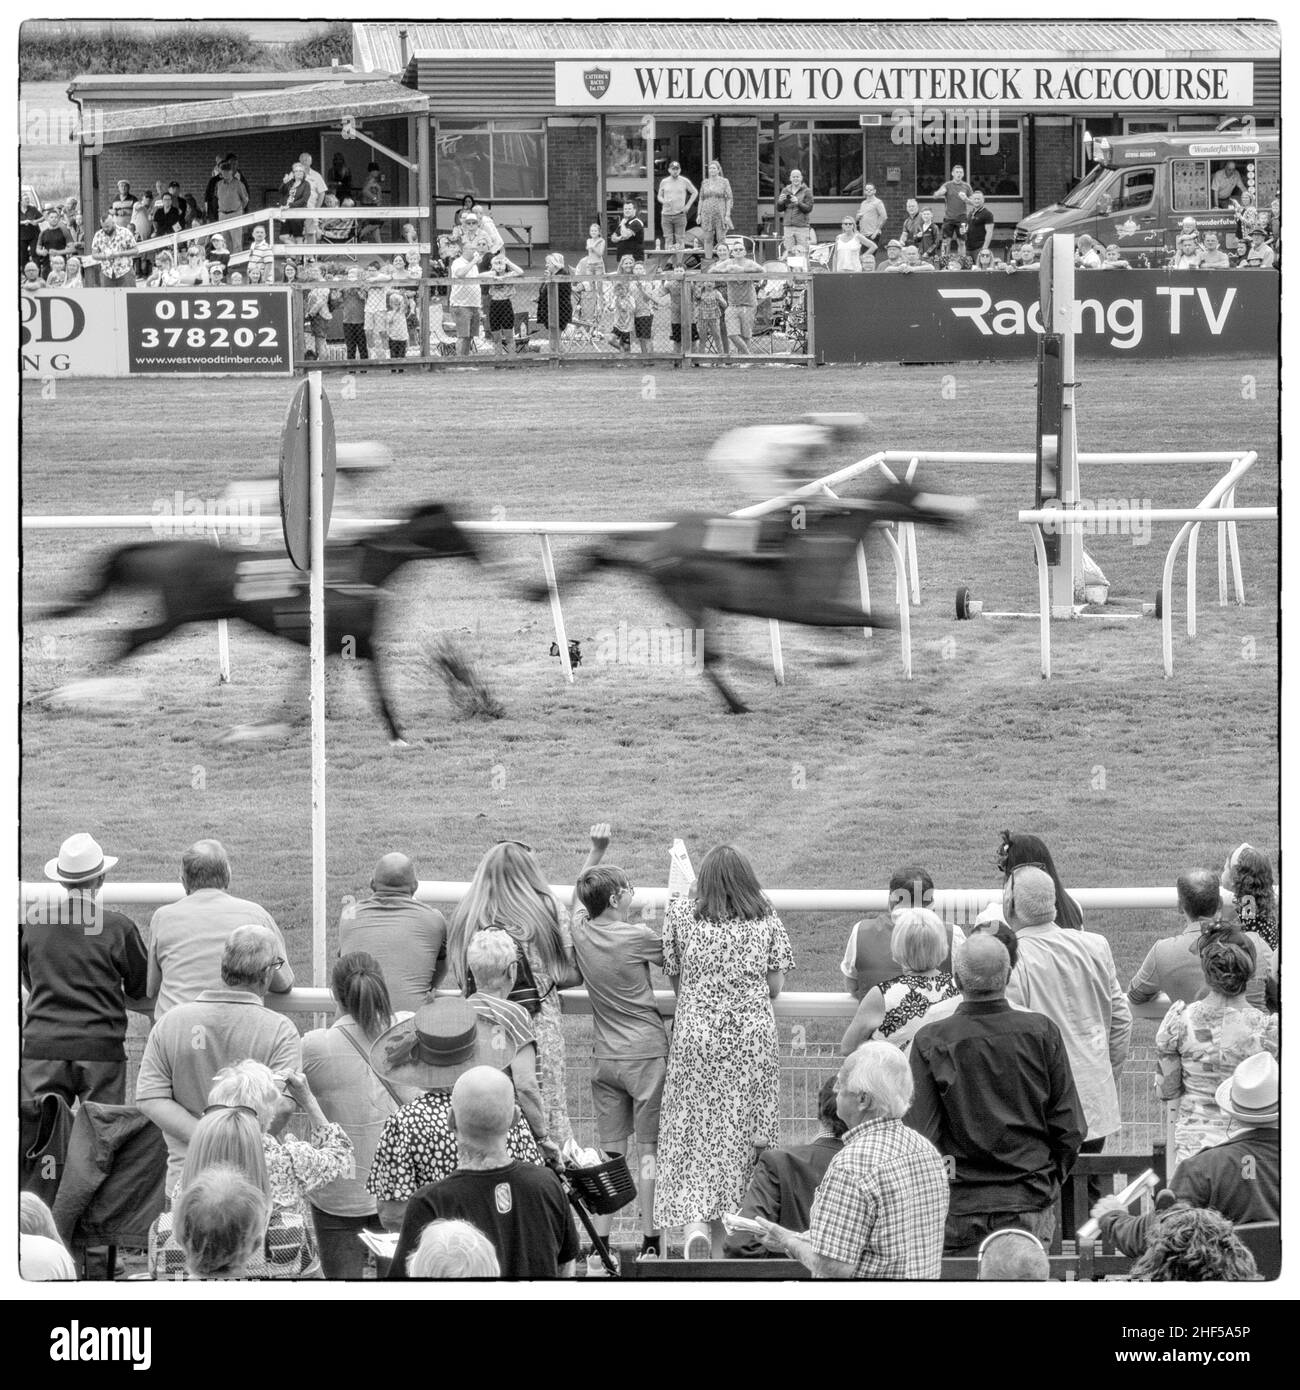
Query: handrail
(950,902)
(172,241)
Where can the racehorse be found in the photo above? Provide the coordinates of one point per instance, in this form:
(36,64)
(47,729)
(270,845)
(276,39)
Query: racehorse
(796,578)
(195,582)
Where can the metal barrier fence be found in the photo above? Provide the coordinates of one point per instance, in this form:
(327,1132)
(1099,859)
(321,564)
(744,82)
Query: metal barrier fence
(659,315)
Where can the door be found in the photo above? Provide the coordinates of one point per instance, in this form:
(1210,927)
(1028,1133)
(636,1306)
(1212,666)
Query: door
(1130,214)
(628,171)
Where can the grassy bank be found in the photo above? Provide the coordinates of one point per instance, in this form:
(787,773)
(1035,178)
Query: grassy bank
(49,59)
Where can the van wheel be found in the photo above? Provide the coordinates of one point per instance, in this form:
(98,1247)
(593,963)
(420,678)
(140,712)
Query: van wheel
(963,602)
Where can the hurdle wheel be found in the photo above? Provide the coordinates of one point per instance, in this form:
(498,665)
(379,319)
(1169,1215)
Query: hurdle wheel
(963,602)
(1160,605)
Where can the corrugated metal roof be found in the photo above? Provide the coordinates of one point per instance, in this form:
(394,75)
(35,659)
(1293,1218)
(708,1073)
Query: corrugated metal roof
(296,106)
(377,47)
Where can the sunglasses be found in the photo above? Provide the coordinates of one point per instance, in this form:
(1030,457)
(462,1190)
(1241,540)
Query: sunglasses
(519,844)
(242,1109)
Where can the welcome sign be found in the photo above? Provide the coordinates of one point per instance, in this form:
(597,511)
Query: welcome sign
(773,83)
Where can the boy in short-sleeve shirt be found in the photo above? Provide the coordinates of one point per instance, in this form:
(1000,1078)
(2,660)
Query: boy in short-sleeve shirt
(630,1041)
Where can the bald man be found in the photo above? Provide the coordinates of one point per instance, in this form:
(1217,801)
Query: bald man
(994,1094)
(408,939)
(520,1207)
(187,938)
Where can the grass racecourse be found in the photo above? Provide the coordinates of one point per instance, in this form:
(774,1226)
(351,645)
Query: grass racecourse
(834,779)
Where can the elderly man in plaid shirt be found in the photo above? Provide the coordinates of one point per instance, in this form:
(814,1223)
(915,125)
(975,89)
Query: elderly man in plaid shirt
(879,1212)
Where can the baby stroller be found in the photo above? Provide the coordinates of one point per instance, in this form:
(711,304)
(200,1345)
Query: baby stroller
(605,1189)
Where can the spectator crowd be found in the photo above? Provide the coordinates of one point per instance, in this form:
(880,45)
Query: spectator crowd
(432,1127)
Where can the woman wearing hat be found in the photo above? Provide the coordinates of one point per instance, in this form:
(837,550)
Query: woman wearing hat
(1199,1045)
(430,1050)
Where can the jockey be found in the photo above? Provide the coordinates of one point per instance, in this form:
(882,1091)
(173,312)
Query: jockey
(771,461)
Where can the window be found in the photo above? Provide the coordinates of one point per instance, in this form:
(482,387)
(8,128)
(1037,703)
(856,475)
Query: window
(791,150)
(1191,182)
(1136,187)
(829,158)
(503,159)
(987,148)
(625,152)
(837,163)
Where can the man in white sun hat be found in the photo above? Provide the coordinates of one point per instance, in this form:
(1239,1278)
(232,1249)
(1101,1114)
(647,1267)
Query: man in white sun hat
(1242,1177)
(83,965)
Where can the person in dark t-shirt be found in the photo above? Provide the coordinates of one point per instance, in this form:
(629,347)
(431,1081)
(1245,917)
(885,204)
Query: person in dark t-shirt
(521,1208)
(979,225)
(628,239)
(81,963)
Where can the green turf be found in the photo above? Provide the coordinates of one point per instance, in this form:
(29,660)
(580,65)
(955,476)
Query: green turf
(834,779)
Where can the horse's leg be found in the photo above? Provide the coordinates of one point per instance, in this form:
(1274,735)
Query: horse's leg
(367,651)
(586,564)
(698,619)
(135,638)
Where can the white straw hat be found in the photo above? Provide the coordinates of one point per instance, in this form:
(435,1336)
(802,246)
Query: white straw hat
(79,860)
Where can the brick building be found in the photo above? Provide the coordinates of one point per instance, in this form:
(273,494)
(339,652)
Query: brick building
(555,124)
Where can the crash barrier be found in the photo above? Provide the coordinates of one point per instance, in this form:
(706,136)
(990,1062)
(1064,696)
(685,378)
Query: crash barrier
(526,319)
(267,329)
(955,316)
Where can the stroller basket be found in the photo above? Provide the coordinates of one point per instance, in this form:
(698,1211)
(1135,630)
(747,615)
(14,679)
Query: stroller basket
(604,1189)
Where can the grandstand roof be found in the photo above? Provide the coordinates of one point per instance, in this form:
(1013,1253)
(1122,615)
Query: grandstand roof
(378,47)
(313,105)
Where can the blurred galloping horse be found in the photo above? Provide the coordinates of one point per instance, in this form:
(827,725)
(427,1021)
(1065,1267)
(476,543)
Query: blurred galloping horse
(197,583)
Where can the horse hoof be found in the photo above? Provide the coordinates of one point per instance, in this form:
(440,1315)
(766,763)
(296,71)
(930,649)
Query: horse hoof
(398,743)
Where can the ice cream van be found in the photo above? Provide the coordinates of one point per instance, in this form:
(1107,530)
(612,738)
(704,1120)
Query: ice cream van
(1142,187)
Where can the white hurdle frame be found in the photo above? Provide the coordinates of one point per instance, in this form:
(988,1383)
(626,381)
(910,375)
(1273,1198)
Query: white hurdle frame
(1191,516)
(909,460)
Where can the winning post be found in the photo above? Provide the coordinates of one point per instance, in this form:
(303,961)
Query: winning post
(1057,481)
(307,467)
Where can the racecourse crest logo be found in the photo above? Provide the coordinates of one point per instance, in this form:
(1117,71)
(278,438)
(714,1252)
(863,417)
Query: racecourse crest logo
(596,80)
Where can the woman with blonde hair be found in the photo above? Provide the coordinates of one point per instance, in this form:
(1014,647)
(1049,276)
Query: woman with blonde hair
(509,891)
(229,1137)
(893,1010)
(726,954)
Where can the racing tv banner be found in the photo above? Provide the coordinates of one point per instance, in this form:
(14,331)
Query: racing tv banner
(194,331)
(952,316)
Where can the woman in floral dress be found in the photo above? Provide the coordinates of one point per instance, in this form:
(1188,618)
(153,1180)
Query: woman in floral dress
(509,891)
(726,954)
(1199,1045)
